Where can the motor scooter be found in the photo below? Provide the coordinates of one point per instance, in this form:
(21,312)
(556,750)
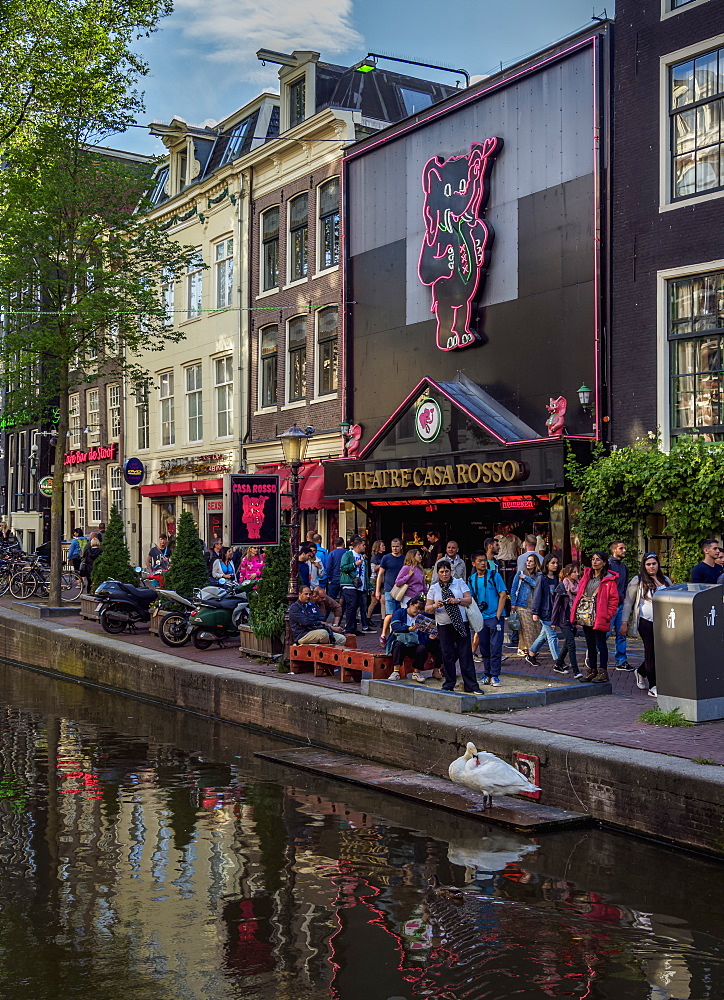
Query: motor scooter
(172,627)
(121,605)
(219,618)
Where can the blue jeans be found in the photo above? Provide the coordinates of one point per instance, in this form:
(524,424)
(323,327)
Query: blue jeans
(391,605)
(333,589)
(490,646)
(547,632)
(620,639)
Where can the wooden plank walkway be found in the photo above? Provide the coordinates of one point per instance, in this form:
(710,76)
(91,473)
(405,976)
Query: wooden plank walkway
(510,812)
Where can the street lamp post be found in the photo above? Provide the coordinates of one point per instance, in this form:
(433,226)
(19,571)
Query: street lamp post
(294,444)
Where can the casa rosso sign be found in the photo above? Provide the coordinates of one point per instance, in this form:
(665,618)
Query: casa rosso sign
(92,455)
(438,475)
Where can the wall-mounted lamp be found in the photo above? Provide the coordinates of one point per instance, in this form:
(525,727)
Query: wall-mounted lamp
(584,397)
(344,431)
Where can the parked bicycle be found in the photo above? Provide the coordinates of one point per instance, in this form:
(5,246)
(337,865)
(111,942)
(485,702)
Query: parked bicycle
(33,580)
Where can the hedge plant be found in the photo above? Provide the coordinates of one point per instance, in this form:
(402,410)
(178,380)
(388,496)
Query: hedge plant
(268,604)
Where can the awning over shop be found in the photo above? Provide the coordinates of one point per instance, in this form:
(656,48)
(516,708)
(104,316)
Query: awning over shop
(187,488)
(311,485)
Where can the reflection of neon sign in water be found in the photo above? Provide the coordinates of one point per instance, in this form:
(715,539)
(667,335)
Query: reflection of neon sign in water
(253,516)
(456,248)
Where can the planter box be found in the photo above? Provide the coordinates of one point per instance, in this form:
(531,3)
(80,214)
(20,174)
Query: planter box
(88,607)
(156,617)
(251,645)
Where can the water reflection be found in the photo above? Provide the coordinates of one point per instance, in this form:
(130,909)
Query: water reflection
(171,863)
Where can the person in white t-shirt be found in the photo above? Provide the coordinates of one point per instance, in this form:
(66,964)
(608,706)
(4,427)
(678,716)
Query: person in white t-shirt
(449,598)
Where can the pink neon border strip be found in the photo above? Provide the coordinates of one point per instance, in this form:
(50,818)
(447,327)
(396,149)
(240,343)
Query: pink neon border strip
(593,41)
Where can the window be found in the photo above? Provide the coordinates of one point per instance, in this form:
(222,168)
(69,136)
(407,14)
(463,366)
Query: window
(224,257)
(168,286)
(329,223)
(270,248)
(696,345)
(224,383)
(679,3)
(193,403)
(297,101)
(268,339)
(195,285)
(93,416)
(116,490)
(142,416)
(168,420)
(236,140)
(695,110)
(74,419)
(327,328)
(298,231)
(158,193)
(297,350)
(94,490)
(114,411)
(77,502)
(414,100)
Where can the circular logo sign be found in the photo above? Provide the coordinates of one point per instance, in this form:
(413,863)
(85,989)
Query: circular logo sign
(46,486)
(133,471)
(428,420)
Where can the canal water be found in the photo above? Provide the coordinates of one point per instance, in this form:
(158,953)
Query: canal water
(145,854)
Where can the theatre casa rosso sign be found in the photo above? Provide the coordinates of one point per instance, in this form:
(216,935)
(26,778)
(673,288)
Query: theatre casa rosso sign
(438,475)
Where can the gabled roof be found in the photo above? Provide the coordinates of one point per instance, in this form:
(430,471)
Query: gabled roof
(475,403)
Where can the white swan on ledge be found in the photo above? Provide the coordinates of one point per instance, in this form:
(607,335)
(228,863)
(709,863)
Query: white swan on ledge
(486,773)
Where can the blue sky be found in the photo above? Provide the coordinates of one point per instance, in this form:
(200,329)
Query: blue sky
(203,64)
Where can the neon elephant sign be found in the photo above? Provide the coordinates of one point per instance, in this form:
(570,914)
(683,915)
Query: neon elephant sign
(455,252)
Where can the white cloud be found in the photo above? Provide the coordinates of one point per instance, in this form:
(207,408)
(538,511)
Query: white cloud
(230,31)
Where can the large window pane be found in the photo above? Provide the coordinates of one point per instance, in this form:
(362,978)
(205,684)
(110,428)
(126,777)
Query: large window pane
(270,249)
(298,231)
(297,358)
(268,340)
(327,340)
(697,109)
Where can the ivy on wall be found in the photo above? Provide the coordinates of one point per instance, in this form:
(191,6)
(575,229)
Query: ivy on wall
(619,489)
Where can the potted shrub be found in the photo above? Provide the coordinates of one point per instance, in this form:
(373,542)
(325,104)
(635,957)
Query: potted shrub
(264,635)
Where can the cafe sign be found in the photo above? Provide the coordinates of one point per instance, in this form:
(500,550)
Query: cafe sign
(471,474)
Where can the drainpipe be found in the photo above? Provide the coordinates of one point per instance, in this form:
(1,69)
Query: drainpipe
(249,200)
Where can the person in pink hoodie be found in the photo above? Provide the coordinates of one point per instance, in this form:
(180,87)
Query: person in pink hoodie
(252,565)
(595,604)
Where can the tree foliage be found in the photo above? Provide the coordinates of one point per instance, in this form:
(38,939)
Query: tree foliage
(618,491)
(188,568)
(269,602)
(114,562)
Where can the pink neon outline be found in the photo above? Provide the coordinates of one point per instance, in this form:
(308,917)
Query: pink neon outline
(593,41)
(477,204)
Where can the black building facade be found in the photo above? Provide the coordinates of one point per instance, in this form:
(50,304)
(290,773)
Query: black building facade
(667,245)
(477,286)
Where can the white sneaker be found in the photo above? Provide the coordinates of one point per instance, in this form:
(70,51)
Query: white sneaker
(653,693)
(640,681)
(394,676)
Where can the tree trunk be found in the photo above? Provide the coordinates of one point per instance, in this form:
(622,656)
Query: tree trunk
(56,500)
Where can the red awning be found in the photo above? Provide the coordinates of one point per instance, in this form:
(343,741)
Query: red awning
(187,488)
(311,485)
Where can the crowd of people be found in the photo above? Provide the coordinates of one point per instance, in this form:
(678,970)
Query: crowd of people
(226,564)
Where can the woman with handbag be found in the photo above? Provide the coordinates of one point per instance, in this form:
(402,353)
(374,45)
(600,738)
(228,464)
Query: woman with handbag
(410,580)
(595,604)
(521,597)
(639,599)
(412,639)
(542,608)
(449,599)
(561,619)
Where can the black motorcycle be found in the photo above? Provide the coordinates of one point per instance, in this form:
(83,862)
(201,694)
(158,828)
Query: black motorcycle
(122,605)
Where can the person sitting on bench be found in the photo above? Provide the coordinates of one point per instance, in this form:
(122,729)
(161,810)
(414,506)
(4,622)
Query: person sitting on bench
(307,623)
(415,636)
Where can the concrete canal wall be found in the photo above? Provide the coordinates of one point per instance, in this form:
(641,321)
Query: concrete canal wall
(654,794)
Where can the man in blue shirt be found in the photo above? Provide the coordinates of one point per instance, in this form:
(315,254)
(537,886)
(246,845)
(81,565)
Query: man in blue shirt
(488,590)
(390,566)
(333,560)
(708,570)
(307,624)
(323,556)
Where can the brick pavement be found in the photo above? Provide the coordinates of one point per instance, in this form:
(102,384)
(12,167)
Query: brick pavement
(612,719)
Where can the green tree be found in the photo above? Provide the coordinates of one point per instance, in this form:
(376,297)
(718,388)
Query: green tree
(269,602)
(188,568)
(114,562)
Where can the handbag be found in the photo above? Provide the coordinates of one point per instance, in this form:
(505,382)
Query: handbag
(586,612)
(398,591)
(514,621)
(475,617)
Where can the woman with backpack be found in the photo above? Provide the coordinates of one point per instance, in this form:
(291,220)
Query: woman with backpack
(521,598)
(563,597)
(542,609)
(595,604)
(639,599)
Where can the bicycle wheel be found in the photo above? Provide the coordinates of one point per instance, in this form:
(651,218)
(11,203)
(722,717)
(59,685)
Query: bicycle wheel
(71,586)
(5,575)
(42,585)
(23,584)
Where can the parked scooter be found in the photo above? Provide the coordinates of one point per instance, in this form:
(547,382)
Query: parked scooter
(217,618)
(172,627)
(122,605)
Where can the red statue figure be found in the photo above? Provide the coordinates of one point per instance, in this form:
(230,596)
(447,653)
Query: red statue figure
(556,422)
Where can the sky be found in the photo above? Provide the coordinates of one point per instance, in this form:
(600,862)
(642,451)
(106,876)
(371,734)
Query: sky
(203,63)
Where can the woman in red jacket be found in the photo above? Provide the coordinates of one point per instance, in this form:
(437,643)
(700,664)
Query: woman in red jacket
(595,604)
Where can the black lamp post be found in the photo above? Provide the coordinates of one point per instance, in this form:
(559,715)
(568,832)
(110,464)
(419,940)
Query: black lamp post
(294,444)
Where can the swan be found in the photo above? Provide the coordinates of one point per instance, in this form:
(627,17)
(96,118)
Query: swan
(455,771)
(490,853)
(486,773)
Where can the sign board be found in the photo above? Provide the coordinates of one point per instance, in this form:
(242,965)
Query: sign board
(253,504)
(45,486)
(529,766)
(134,471)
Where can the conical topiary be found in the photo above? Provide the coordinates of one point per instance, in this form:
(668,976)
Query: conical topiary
(114,562)
(188,568)
(269,602)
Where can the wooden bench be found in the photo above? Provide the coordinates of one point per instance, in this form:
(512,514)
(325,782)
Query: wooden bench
(309,656)
(322,659)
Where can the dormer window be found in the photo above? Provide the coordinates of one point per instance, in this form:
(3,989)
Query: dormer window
(297,101)
(414,100)
(182,171)
(158,192)
(236,140)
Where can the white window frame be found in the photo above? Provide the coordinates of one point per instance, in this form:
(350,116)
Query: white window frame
(663,380)
(76,501)
(168,294)
(194,394)
(263,290)
(95,494)
(668,9)
(143,422)
(260,404)
(291,279)
(93,416)
(113,404)
(224,394)
(74,419)
(115,488)
(195,286)
(289,84)
(321,266)
(318,356)
(666,202)
(167,408)
(224,272)
(288,365)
